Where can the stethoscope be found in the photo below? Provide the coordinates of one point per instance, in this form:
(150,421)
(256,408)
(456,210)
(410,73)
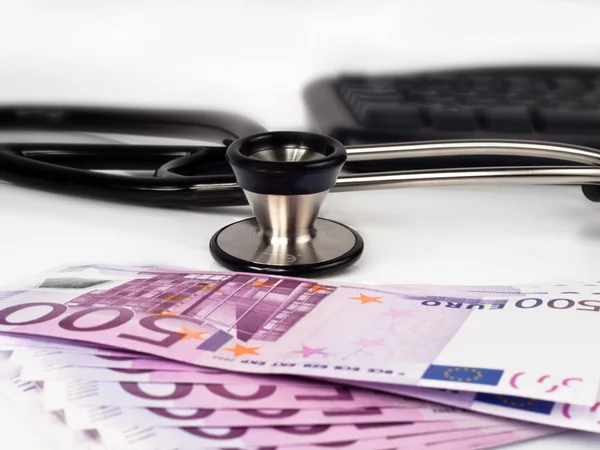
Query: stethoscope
(283,175)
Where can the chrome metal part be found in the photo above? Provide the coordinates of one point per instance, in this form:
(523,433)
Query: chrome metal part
(287,154)
(564,152)
(286,220)
(245,241)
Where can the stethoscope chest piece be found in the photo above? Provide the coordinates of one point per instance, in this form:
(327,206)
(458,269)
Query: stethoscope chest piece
(286,176)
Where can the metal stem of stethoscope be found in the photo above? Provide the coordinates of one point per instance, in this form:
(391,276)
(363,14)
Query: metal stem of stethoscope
(503,175)
(286,177)
(459,148)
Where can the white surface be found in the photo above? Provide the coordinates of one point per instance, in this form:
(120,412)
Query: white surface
(254,58)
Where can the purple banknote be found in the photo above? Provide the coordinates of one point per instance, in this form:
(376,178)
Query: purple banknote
(466,338)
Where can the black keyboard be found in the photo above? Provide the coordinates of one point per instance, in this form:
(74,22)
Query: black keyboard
(548,104)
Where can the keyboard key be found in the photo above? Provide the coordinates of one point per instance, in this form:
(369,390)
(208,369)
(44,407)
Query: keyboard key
(429,96)
(453,118)
(519,84)
(555,120)
(595,85)
(478,83)
(358,98)
(591,98)
(508,119)
(439,81)
(568,86)
(390,115)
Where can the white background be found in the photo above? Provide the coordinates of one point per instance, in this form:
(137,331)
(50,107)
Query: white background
(254,58)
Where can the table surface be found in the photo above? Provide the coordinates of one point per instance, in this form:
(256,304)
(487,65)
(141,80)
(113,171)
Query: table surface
(254,58)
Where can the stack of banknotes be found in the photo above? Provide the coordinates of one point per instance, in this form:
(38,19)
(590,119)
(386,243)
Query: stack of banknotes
(155,357)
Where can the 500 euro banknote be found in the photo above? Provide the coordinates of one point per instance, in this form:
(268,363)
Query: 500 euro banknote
(365,436)
(409,436)
(468,338)
(564,415)
(375,437)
